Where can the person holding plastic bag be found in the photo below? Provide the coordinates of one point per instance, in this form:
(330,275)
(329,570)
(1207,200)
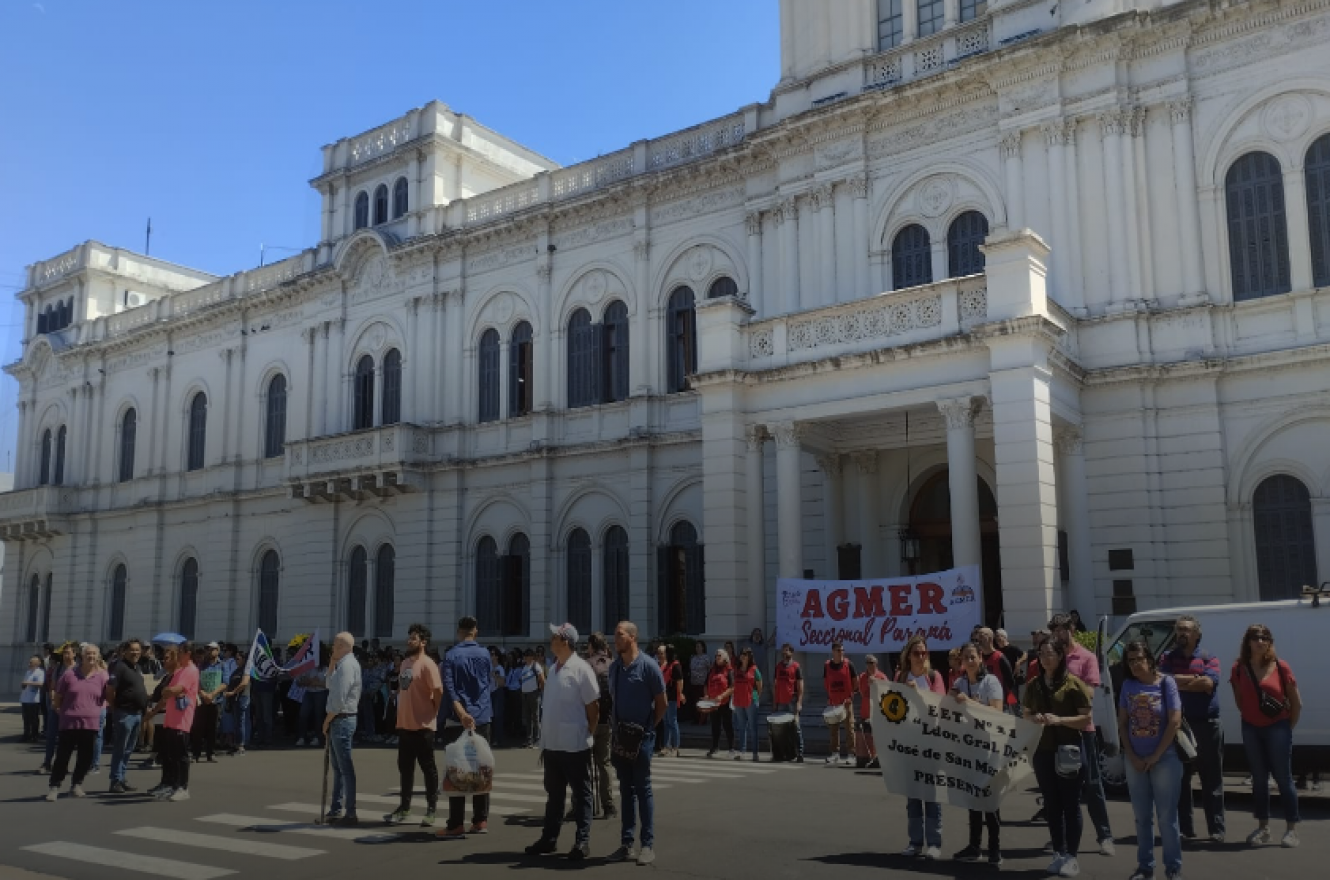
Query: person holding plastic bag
(469,763)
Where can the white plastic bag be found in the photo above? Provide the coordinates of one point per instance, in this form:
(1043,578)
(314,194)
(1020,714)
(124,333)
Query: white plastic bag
(468,765)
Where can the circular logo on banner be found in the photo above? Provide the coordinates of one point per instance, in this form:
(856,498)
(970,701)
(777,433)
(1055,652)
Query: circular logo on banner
(895,707)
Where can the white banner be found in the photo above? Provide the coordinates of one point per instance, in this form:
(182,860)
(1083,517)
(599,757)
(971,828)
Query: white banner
(937,749)
(879,615)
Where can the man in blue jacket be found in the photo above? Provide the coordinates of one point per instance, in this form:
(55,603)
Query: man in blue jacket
(466,687)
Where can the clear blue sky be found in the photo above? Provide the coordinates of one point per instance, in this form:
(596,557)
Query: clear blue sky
(208,116)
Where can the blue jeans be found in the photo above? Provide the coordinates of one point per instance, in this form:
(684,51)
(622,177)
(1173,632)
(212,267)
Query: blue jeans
(313,708)
(1270,750)
(745,728)
(498,720)
(1156,794)
(1209,766)
(925,822)
(635,792)
(98,743)
(671,724)
(340,734)
(241,704)
(1092,787)
(365,720)
(124,736)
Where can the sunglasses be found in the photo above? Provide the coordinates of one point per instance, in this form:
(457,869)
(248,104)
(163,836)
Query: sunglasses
(1259,639)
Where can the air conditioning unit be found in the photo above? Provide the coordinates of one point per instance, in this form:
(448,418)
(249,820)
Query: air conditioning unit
(134,299)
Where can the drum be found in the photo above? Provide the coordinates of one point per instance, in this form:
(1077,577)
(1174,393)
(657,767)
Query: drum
(834,715)
(706,706)
(784,737)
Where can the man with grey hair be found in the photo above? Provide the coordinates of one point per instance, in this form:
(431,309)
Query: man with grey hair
(1197,675)
(339,728)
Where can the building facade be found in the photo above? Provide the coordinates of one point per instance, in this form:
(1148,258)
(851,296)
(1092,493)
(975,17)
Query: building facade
(1008,284)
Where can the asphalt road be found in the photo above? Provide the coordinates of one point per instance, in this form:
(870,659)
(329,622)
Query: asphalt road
(253,815)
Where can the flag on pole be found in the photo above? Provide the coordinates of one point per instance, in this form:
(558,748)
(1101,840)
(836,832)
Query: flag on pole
(261,666)
(306,659)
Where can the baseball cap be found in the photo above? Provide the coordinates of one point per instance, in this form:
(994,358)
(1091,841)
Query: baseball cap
(565,631)
(213,645)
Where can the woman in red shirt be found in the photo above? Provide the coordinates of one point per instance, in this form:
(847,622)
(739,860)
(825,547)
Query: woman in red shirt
(1268,700)
(673,674)
(866,679)
(720,687)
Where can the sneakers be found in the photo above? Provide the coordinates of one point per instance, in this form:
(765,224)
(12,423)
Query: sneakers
(1107,848)
(52,793)
(1217,838)
(911,851)
(622,854)
(799,759)
(454,832)
(542,847)
(164,794)
(1259,836)
(579,852)
(1141,874)
(970,854)
(1289,840)
(831,760)
(736,756)
(1173,875)
(300,744)
(646,856)
(180,794)
(397,817)
(610,811)
(711,754)
(1070,868)
(428,820)
(1038,816)
(933,853)
(77,791)
(479,828)
(44,770)
(847,761)
(1055,866)
(874,764)
(995,857)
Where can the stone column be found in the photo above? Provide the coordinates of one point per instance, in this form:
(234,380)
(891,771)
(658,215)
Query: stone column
(638,346)
(412,195)
(326,218)
(724,508)
(1112,124)
(870,554)
(832,499)
(1138,226)
(789,499)
(755,523)
(788,218)
(336,363)
(753,223)
(963,480)
(1076,518)
(21,456)
(909,21)
(543,397)
(503,378)
(1060,232)
(1299,233)
(1072,189)
(951,13)
(1188,198)
(860,246)
(454,313)
(1011,160)
(824,205)
(344,222)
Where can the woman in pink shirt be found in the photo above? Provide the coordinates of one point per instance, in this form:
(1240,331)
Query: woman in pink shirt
(80,699)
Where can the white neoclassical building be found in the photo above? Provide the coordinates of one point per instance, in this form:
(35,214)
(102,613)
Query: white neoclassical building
(1032,285)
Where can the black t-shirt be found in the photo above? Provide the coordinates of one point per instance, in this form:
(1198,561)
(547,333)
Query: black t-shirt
(130,693)
(1013,655)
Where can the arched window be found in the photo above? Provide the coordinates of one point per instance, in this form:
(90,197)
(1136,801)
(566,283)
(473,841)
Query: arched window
(42,320)
(44,474)
(274,434)
(890,24)
(931,17)
(521,372)
(583,360)
(681,340)
(1285,541)
(116,630)
(198,431)
(516,590)
(1318,208)
(34,606)
(1257,227)
(964,236)
(392,387)
(47,602)
(399,198)
(911,258)
(270,573)
(189,597)
(67,312)
(722,286)
(614,348)
(128,429)
(362,210)
(579,580)
(972,9)
(357,587)
(385,598)
(616,577)
(682,587)
(380,204)
(363,411)
(59,476)
(488,581)
(489,376)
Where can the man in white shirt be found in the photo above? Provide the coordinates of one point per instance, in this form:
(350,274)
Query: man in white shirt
(571,710)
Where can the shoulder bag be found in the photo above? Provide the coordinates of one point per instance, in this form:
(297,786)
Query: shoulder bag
(627,736)
(1269,706)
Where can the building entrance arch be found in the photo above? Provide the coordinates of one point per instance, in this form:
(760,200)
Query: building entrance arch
(930,520)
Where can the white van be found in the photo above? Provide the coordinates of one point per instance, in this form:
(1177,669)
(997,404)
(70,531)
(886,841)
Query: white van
(1298,626)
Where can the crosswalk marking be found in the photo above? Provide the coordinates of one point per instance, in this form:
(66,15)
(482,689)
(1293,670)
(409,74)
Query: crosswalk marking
(264,824)
(540,786)
(371,821)
(228,844)
(127,862)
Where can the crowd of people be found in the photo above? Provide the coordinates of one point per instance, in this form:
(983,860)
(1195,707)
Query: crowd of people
(614,707)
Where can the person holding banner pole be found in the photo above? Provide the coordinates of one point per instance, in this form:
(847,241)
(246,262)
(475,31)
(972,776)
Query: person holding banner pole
(981,686)
(1060,702)
(925,818)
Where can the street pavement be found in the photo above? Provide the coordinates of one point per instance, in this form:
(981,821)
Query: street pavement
(253,816)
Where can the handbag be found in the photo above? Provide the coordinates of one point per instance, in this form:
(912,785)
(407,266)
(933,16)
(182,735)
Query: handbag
(1185,741)
(1269,706)
(628,736)
(1068,761)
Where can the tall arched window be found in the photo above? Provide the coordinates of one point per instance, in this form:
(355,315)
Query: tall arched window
(270,573)
(128,429)
(363,410)
(911,258)
(722,286)
(488,373)
(116,629)
(579,580)
(392,387)
(583,360)
(357,588)
(34,606)
(681,340)
(488,583)
(614,349)
(385,596)
(47,602)
(59,476)
(1257,227)
(682,586)
(362,210)
(616,577)
(972,9)
(380,204)
(1285,540)
(966,233)
(1318,208)
(399,198)
(44,320)
(521,372)
(274,434)
(198,431)
(189,597)
(516,590)
(44,474)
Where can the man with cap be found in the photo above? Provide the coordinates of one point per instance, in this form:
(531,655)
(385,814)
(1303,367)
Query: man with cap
(571,711)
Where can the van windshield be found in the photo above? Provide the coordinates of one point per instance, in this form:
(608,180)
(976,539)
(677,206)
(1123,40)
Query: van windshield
(1158,634)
